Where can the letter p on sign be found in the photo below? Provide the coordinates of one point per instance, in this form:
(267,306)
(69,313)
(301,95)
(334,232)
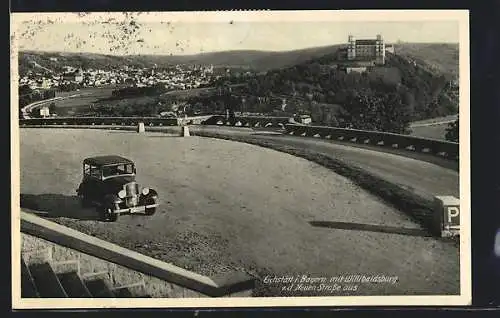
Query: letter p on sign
(453,215)
(446,216)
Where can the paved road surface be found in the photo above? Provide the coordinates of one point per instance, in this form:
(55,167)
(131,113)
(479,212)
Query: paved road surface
(424,178)
(28,109)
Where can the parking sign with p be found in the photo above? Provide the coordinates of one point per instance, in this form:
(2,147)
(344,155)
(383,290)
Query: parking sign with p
(447,216)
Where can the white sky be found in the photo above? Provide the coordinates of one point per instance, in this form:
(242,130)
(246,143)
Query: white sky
(178,35)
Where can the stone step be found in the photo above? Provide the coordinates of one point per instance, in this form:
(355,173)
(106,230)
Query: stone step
(98,286)
(28,288)
(137,291)
(46,281)
(73,285)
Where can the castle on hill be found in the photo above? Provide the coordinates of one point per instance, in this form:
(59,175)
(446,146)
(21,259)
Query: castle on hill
(360,54)
(369,50)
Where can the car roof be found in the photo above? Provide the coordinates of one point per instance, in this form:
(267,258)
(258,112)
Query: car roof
(106,160)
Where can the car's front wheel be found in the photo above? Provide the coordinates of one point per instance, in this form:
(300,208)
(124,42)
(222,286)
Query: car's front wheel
(150,211)
(108,215)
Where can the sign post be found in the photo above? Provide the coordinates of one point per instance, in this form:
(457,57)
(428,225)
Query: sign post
(446,216)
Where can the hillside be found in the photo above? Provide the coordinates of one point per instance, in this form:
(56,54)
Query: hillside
(385,98)
(442,57)
(255,60)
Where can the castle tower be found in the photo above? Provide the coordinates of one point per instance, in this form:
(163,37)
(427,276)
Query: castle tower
(351,48)
(380,50)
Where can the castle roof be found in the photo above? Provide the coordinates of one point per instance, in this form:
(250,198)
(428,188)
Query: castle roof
(366,42)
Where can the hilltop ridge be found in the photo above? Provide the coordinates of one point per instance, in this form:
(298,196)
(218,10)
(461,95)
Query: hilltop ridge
(440,56)
(247,59)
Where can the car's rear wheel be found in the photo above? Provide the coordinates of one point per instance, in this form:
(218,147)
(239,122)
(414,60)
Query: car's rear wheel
(113,217)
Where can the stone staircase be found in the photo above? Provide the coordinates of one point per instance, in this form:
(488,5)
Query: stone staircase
(59,262)
(42,277)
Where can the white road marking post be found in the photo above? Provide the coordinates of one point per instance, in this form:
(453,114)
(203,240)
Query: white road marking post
(141,128)
(185,131)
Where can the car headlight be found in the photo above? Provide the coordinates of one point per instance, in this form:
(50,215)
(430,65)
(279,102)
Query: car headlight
(145,191)
(122,194)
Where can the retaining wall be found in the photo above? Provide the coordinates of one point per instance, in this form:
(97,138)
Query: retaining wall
(124,265)
(113,121)
(248,121)
(445,149)
(440,148)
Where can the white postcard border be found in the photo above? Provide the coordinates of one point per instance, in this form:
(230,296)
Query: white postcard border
(461,16)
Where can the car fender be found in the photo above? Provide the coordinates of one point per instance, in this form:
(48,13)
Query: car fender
(151,195)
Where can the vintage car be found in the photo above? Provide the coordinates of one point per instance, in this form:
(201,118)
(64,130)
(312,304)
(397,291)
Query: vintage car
(109,184)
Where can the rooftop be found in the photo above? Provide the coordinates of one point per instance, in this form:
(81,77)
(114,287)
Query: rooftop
(366,42)
(107,160)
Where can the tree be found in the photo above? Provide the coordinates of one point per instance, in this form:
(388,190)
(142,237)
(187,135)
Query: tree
(452,131)
(375,110)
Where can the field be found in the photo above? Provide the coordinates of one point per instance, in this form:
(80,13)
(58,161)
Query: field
(232,206)
(89,96)
(189,92)
(434,128)
(435,120)
(433,132)
(86,97)
(95,92)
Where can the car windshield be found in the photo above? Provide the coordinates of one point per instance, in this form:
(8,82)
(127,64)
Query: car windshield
(117,170)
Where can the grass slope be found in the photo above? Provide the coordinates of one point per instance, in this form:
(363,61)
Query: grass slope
(442,57)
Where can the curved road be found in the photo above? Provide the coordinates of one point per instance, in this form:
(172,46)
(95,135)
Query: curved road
(28,109)
(426,179)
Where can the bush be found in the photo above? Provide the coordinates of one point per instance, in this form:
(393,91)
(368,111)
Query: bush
(138,91)
(53,108)
(28,96)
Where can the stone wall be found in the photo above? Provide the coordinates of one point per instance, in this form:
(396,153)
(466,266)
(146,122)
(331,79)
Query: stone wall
(35,249)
